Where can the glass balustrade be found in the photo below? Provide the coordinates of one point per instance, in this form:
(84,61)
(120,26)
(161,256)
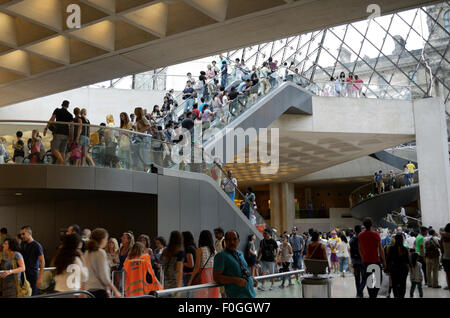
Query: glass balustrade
(105,147)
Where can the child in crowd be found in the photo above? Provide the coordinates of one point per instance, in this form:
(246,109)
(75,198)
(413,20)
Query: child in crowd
(416,275)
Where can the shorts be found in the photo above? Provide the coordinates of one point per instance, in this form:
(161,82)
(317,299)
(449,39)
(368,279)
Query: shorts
(268,267)
(446,264)
(297,260)
(334,258)
(251,261)
(84,141)
(59,143)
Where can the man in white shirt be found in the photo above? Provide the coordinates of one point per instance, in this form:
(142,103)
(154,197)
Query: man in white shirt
(403,215)
(411,240)
(229,185)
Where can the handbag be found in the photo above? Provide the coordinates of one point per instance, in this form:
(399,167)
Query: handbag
(75,153)
(25,289)
(198,277)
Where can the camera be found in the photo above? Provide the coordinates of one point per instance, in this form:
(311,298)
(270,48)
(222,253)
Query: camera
(245,274)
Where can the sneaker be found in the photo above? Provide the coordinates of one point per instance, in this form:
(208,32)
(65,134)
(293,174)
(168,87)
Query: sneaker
(281,286)
(271,287)
(261,288)
(439,286)
(290,284)
(446,288)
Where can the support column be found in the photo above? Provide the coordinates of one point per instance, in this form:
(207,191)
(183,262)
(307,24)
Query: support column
(287,206)
(433,161)
(275,206)
(282,206)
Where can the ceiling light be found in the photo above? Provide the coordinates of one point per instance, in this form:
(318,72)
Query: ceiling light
(19,194)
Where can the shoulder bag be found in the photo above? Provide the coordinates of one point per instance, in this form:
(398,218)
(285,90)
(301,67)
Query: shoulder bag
(25,289)
(197,278)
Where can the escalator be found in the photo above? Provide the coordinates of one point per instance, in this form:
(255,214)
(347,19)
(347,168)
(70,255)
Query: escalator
(363,203)
(391,159)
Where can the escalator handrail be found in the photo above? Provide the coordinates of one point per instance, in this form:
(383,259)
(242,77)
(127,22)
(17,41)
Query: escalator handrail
(84,292)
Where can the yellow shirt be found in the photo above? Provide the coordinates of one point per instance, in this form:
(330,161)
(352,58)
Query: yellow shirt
(411,167)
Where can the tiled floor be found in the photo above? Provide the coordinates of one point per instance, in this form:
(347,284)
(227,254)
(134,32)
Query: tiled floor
(345,288)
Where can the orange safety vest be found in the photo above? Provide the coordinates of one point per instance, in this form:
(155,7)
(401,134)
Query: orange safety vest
(139,277)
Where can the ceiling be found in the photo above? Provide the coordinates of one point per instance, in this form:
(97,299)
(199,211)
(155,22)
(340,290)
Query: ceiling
(302,153)
(41,55)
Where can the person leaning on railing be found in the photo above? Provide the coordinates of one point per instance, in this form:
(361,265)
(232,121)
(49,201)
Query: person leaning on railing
(231,270)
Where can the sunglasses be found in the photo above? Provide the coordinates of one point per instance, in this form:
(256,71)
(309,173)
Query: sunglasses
(22,234)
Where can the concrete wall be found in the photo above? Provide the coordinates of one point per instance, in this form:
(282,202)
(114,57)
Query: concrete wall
(186,201)
(361,167)
(432,156)
(325,225)
(99,102)
(50,212)
(193,202)
(353,115)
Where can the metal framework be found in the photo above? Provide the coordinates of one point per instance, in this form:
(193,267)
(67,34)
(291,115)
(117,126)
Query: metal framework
(393,49)
(322,54)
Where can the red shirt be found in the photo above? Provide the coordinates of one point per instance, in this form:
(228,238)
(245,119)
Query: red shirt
(369,241)
(197,112)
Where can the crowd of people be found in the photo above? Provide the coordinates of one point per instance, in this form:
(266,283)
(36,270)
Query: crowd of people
(389,182)
(204,99)
(96,262)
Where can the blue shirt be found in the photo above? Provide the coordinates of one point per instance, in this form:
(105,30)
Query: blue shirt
(241,87)
(296,243)
(201,106)
(226,262)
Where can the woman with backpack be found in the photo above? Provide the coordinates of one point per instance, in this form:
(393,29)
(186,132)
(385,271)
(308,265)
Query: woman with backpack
(432,254)
(13,266)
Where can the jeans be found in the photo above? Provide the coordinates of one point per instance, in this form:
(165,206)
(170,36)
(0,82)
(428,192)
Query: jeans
(373,292)
(343,264)
(413,287)
(32,279)
(199,96)
(224,80)
(406,179)
(359,278)
(188,104)
(231,195)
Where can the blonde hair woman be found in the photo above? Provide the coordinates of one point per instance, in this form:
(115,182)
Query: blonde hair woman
(142,126)
(125,140)
(112,252)
(125,248)
(111,145)
(37,149)
(84,138)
